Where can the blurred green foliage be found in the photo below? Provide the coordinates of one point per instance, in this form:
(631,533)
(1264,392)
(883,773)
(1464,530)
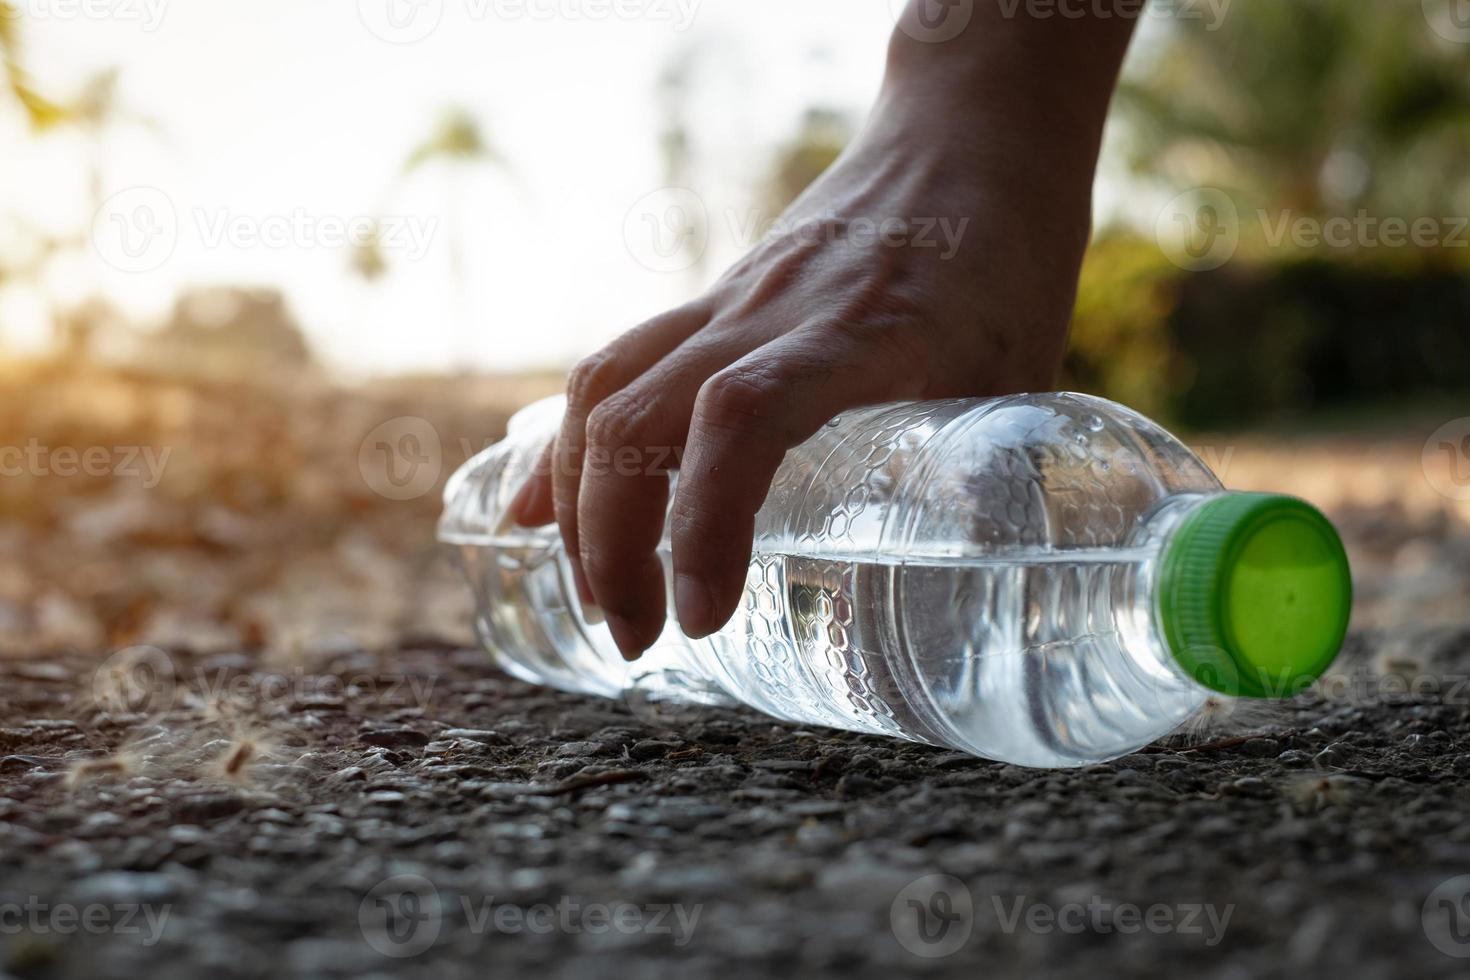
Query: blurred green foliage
(1120,343)
(1319,106)
(1303,113)
(817,144)
(456,136)
(1257,342)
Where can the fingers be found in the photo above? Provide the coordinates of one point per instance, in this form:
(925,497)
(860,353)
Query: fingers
(632,440)
(591,382)
(532,504)
(745,419)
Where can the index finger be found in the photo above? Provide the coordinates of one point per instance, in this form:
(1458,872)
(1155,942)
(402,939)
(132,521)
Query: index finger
(746,418)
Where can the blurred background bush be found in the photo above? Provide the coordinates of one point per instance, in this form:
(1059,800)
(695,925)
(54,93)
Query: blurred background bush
(1314,115)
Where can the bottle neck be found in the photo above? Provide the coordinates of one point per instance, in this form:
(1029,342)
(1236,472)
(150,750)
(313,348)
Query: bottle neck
(1144,626)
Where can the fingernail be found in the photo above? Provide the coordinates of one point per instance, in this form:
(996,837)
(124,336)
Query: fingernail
(584,591)
(526,503)
(625,637)
(519,504)
(591,611)
(695,606)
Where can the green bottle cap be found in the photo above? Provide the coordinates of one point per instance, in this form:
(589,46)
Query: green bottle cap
(1254,593)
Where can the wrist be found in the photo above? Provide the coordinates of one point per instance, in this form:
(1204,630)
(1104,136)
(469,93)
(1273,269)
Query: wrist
(1042,84)
(988,150)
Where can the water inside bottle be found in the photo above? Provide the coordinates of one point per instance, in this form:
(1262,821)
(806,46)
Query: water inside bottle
(1046,656)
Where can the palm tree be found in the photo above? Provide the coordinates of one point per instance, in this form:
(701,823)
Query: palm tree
(96,112)
(455,144)
(40,112)
(676,84)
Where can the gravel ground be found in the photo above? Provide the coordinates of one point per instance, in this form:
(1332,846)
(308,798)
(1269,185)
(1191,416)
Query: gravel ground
(422,814)
(348,800)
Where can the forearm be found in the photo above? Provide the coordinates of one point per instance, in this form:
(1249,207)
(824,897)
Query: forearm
(1028,92)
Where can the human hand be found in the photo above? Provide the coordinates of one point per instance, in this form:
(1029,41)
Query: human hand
(937,258)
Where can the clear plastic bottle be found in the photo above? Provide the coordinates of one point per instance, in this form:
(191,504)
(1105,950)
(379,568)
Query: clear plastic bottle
(1048,580)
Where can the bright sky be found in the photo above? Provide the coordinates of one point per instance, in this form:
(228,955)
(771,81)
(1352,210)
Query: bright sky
(281,125)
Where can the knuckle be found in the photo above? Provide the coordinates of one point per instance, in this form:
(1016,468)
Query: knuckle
(738,396)
(611,425)
(593,379)
(893,335)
